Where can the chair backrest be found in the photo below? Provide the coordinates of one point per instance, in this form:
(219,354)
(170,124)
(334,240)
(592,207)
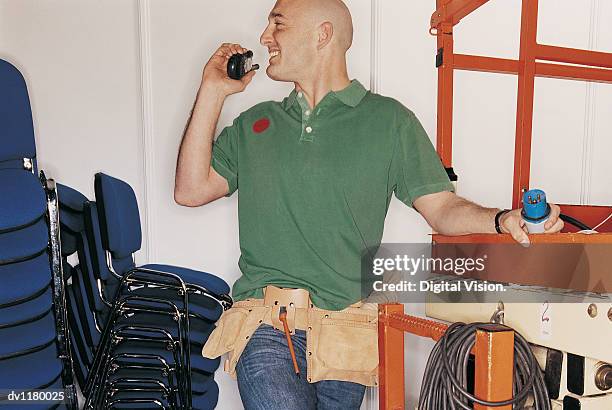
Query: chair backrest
(70,199)
(83,296)
(16,129)
(77,236)
(94,240)
(71,204)
(119,217)
(22,199)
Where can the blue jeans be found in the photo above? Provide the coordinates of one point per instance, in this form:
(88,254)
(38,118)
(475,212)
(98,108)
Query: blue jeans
(267,380)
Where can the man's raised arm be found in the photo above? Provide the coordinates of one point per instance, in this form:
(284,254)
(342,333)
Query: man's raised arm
(196,182)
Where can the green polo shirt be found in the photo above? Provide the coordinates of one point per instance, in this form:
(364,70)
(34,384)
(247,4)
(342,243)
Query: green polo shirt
(315,186)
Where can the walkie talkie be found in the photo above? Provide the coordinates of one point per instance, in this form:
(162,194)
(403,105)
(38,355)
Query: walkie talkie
(240,64)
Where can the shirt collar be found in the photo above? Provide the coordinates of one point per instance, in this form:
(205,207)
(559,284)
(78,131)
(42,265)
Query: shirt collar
(351,95)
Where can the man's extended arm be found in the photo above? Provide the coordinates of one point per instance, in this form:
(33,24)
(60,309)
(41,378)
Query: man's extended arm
(196,181)
(449,214)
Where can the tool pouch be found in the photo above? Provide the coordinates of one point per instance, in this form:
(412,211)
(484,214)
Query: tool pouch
(343,345)
(233,331)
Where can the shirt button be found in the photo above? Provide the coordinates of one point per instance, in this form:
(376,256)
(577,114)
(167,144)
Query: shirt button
(309,129)
(300,94)
(307,112)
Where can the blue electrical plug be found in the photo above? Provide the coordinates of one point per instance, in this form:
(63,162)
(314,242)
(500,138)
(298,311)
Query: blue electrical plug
(535,211)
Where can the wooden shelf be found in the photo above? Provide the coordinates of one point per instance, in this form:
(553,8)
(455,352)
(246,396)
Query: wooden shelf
(486,238)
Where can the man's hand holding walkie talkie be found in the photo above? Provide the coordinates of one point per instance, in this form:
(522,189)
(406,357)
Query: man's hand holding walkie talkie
(229,70)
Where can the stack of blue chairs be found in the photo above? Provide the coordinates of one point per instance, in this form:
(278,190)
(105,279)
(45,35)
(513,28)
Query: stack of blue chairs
(34,338)
(76,305)
(138,332)
(116,211)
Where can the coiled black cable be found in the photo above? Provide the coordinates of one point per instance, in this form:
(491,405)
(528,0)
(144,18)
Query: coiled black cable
(445,381)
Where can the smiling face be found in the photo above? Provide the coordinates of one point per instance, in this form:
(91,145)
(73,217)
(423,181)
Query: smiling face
(291,40)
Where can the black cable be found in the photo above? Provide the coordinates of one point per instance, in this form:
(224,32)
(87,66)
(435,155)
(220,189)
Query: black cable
(444,384)
(575,222)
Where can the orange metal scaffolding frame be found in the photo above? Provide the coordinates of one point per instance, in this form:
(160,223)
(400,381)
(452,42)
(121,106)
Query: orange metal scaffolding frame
(593,66)
(493,353)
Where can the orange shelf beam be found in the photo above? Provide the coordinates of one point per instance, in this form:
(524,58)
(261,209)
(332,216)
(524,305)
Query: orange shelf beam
(573,56)
(390,358)
(487,238)
(507,66)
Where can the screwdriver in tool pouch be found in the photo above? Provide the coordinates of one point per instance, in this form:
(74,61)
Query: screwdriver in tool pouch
(283,318)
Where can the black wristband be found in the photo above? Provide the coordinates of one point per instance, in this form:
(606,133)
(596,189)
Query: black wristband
(497,217)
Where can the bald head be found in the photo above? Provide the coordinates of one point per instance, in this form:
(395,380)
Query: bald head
(306,38)
(318,14)
(336,13)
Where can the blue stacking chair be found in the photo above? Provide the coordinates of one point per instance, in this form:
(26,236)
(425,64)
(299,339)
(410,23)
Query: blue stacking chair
(27,323)
(86,308)
(120,234)
(83,302)
(18,147)
(94,284)
(133,324)
(34,346)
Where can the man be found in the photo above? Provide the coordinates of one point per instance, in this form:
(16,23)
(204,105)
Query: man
(316,173)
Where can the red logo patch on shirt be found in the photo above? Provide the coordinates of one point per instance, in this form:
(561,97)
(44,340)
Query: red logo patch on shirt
(261,125)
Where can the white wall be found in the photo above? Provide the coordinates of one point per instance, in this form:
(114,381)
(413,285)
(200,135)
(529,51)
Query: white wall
(80,60)
(112,83)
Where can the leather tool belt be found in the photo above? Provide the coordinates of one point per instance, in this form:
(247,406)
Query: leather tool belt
(341,345)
